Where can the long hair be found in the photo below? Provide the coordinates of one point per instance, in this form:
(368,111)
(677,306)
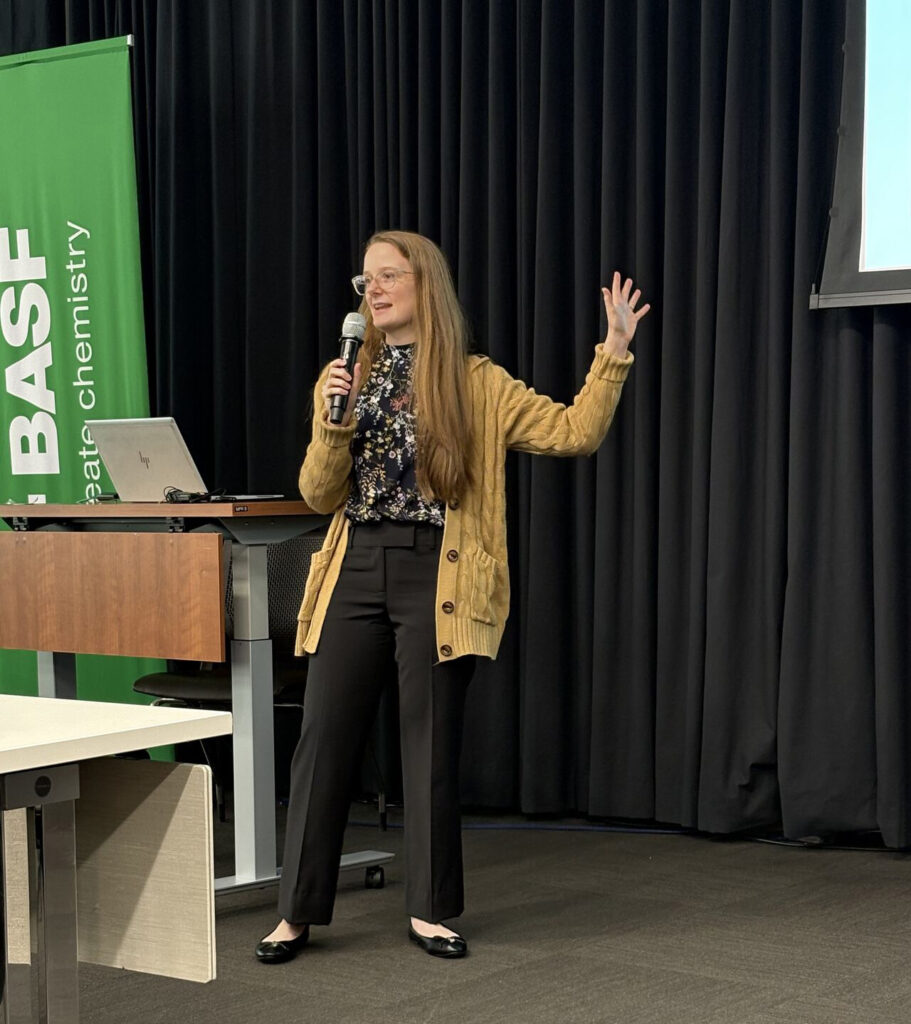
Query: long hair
(440,399)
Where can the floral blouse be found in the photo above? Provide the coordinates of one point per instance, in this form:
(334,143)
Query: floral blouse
(383,448)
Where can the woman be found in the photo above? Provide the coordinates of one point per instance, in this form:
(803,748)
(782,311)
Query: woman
(412,578)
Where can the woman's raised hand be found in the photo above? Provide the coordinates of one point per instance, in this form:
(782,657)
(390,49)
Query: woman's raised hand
(339,382)
(622,316)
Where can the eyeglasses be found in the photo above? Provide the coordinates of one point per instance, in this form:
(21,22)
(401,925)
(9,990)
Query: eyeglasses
(386,279)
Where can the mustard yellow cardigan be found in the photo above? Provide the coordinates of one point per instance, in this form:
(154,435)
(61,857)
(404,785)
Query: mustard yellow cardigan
(472,600)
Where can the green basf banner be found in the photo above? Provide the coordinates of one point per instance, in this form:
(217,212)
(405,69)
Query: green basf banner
(71,318)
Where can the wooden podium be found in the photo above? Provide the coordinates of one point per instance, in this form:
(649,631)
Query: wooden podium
(148,580)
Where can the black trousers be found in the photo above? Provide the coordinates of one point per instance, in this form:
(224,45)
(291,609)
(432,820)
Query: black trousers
(381,619)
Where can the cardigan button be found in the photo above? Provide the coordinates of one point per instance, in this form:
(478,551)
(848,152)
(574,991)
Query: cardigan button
(448,607)
(452,555)
(454,504)
(446,650)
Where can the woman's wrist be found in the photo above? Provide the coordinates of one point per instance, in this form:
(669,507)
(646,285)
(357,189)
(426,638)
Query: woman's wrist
(614,346)
(335,435)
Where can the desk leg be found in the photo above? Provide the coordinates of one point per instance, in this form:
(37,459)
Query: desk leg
(56,674)
(49,830)
(58,863)
(254,761)
(251,699)
(18,918)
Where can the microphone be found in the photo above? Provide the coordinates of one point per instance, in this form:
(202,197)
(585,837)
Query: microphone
(348,345)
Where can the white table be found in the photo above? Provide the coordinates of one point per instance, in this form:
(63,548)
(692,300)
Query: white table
(44,746)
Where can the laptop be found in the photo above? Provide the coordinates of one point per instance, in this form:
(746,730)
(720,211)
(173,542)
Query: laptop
(145,458)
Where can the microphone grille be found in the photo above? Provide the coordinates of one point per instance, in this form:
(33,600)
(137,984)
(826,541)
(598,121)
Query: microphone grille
(354,326)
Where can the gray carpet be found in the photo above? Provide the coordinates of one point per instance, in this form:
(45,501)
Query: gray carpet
(570,928)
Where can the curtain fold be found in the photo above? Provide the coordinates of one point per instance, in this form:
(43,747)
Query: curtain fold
(709,619)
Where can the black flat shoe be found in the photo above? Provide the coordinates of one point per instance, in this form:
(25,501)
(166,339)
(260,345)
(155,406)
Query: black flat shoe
(440,945)
(278,952)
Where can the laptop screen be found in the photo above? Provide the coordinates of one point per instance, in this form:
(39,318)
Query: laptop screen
(145,457)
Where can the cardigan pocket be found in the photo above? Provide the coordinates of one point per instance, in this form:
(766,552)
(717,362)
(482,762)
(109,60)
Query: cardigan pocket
(484,571)
(319,563)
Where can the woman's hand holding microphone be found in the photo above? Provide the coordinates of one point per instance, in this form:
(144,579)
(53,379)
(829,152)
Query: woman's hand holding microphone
(340,382)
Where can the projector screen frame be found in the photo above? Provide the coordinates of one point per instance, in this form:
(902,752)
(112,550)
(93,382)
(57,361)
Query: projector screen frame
(843,283)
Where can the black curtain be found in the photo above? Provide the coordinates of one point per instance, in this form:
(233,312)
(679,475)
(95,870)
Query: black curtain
(709,620)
